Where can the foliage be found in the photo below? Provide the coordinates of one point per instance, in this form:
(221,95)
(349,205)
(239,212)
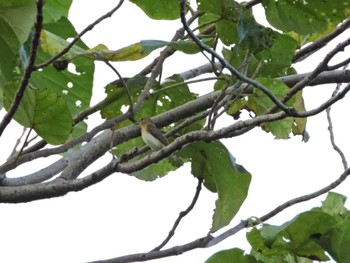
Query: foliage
(55,101)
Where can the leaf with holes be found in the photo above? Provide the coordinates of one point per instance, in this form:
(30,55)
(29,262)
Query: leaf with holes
(43,111)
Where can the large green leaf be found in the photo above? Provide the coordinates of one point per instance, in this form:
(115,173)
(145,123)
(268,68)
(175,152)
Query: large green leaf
(273,62)
(308,236)
(305,17)
(253,36)
(274,243)
(224,14)
(55,9)
(43,111)
(337,240)
(118,96)
(172,93)
(16,20)
(73,85)
(221,174)
(162,9)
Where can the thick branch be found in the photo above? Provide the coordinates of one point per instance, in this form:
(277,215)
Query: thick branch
(90,152)
(174,251)
(201,104)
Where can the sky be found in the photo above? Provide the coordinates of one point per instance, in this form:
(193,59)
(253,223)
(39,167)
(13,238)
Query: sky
(123,215)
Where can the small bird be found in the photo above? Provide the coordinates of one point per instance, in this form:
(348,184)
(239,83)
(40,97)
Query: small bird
(152,136)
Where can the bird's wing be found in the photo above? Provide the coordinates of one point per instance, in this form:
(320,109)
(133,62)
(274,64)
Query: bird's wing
(156,132)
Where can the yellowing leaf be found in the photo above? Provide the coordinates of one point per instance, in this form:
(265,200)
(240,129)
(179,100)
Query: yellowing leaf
(52,44)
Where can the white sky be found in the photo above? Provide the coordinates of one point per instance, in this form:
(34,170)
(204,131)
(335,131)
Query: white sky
(123,215)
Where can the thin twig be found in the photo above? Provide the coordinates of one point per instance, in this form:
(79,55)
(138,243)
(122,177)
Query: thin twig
(14,151)
(78,37)
(331,132)
(125,86)
(29,68)
(181,216)
(338,65)
(26,140)
(228,97)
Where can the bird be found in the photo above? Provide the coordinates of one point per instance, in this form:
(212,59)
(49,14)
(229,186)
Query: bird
(153,137)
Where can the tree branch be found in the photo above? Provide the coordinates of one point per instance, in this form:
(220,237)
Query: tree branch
(90,152)
(331,133)
(174,251)
(320,43)
(322,66)
(201,104)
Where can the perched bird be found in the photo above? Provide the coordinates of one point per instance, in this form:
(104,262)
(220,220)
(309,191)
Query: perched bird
(153,137)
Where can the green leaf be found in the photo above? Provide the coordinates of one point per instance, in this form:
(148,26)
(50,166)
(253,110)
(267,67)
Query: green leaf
(213,162)
(78,130)
(234,255)
(306,224)
(43,111)
(297,234)
(55,9)
(19,15)
(16,20)
(227,31)
(277,60)
(256,240)
(117,96)
(259,103)
(299,126)
(156,170)
(188,46)
(334,205)
(305,17)
(293,239)
(253,36)
(172,93)
(163,9)
(74,85)
(224,14)
(337,241)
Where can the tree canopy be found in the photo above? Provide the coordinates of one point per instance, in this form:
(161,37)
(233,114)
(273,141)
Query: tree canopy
(47,81)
